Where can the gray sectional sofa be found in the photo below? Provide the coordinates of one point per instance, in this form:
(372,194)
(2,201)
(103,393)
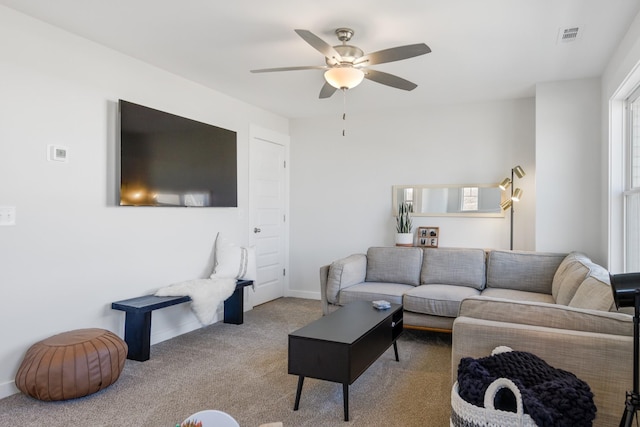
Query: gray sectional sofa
(558,306)
(431,283)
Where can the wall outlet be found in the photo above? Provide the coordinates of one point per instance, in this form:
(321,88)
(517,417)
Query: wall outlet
(57,153)
(7,215)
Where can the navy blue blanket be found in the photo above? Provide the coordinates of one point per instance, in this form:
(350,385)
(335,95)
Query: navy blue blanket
(552,397)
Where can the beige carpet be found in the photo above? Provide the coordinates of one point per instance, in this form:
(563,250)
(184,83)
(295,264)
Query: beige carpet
(242,370)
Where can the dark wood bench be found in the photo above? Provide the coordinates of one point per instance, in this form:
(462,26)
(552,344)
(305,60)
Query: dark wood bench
(137,323)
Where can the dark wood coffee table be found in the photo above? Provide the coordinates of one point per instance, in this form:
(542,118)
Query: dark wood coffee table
(339,347)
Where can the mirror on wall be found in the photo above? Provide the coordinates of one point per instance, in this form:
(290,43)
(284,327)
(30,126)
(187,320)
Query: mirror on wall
(473,200)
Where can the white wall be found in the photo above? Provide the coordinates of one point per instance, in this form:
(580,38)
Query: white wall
(568,209)
(341,186)
(71,252)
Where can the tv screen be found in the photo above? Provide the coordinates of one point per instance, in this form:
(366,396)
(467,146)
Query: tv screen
(166,160)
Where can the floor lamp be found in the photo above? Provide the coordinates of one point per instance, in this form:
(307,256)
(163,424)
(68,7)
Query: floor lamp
(516,194)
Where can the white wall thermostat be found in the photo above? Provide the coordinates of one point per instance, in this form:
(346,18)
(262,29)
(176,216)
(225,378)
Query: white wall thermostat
(7,215)
(57,153)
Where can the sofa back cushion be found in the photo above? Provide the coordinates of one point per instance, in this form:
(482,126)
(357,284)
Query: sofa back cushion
(522,270)
(394,265)
(345,272)
(454,266)
(570,274)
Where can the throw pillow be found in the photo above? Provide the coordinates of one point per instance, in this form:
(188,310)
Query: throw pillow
(570,274)
(233,261)
(593,294)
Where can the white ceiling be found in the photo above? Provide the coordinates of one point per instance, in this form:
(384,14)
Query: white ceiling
(481,49)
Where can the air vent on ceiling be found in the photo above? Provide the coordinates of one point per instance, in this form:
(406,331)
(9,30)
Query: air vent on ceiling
(566,35)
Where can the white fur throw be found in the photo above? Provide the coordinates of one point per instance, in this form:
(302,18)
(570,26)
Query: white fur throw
(206,295)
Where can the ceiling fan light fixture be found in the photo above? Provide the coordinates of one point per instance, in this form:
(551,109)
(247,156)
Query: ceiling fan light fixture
(344,77)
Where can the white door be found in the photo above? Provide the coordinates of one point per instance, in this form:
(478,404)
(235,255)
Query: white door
(268,208)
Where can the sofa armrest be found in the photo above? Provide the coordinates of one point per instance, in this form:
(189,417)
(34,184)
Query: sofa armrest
(324,273)
(604,361)
(341,274)
(547,315)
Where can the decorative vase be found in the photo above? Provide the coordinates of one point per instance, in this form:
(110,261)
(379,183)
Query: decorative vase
(404,239)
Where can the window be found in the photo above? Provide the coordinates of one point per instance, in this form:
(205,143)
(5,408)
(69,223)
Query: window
(408,195)
(632,185)
(408,198)
(469,198)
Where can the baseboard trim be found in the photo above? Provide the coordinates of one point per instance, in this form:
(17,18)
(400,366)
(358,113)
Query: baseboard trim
(7,389)
(302,294)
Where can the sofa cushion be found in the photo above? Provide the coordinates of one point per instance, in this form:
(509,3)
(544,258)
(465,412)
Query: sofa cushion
(516,295)
(438,300)
(570,274)
(394,265)
(373,291)
(593,293)
(345,272)
(522,270)
(453,266)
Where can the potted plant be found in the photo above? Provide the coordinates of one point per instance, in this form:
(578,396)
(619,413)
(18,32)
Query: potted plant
(404,225)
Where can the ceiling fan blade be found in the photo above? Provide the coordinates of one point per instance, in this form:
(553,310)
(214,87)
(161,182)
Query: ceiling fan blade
(305,67)
(389,80)
(320,45)
(393,54)
(327,90)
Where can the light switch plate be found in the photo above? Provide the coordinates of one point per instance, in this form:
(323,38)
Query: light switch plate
(7,215)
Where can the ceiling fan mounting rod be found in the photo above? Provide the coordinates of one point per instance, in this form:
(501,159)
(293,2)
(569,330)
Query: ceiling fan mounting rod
(344,34)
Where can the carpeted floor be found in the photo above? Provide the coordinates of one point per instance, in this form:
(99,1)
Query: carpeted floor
(242,370)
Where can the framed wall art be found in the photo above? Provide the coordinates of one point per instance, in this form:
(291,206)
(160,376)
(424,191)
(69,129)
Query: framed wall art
(428,237)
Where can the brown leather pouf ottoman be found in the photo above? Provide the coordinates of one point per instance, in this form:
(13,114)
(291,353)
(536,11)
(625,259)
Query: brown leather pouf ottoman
(72,364)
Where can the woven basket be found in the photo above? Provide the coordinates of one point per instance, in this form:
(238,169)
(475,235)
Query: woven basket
(464,414)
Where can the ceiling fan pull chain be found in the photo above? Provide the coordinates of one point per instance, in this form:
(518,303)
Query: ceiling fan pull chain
(344,111)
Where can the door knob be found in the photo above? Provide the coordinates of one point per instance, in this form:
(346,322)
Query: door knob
(256,230)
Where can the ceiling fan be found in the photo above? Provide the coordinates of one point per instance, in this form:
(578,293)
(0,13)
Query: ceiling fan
(347,65)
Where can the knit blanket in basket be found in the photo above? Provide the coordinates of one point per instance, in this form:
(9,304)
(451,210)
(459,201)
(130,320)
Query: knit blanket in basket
(552,397)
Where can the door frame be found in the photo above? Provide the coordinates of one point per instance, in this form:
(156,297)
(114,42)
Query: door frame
(259,133)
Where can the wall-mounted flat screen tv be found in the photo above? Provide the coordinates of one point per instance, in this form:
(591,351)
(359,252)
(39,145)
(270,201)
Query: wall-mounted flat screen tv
(166,160)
